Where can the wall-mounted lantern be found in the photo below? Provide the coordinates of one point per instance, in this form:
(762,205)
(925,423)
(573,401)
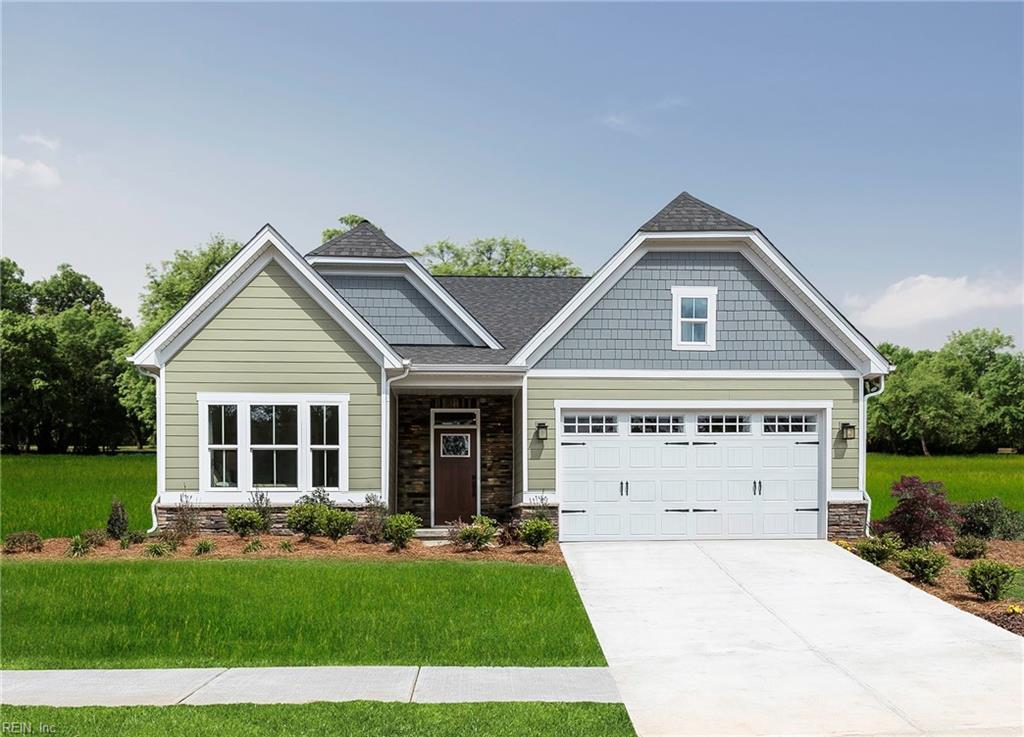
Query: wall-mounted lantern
(542,431)
(847,431)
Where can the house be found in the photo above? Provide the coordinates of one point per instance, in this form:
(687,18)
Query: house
(696,386)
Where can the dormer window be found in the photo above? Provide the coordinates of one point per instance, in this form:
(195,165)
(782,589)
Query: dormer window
(694,318)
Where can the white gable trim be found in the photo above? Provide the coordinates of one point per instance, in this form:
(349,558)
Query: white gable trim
(266,246)
(854,347)
(424,282)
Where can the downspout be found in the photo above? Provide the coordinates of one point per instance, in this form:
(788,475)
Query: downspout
(864,433)
(156,498)
(385,422)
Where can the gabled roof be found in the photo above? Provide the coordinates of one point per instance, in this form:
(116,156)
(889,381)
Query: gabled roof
(266,246)
(512,308)
(362,241)
(686,214)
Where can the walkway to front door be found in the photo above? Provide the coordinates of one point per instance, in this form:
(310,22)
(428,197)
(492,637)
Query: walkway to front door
(790,637)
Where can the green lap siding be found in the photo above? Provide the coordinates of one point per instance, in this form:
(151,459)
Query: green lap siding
(543,392)
(272,337)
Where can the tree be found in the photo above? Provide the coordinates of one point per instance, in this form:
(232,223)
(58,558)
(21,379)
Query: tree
(1002,399)
(15,293)
(167,290)
(493,257)
(29,389)
(64,290)
(347,223)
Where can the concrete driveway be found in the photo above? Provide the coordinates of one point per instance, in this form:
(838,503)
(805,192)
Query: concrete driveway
(790,638)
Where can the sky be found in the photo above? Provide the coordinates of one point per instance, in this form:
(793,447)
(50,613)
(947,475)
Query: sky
(879,146)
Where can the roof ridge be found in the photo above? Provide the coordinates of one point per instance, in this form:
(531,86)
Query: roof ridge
(363,239)
(686,213)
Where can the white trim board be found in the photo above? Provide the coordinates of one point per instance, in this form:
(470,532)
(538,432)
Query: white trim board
(724,374)
(234,276)
(691,404)
(425,284)
(804,297)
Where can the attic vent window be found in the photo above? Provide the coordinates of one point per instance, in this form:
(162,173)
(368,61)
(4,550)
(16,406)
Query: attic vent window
(694,318)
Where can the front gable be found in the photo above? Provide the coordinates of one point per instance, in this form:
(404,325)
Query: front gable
(631,326)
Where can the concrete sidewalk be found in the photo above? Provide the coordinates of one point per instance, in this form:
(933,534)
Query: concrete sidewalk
(299,685)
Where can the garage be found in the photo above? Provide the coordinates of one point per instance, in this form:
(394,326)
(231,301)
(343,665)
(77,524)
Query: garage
(666,473)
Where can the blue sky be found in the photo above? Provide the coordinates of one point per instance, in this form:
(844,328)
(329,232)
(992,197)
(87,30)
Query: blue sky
(879,146)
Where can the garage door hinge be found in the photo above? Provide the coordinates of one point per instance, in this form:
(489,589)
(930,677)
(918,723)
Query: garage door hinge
(806,509)
(806,442)
(677,510)
(704,442)
(574,511)
(705,510)
(573,443)
(678,442)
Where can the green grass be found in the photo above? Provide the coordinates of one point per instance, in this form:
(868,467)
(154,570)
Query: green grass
(61,495)
(176,613)
(352,719)
(967,478)
(1016,590)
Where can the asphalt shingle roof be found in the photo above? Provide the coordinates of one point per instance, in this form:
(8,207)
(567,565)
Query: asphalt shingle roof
(512,308)
(362,241)
(688,214)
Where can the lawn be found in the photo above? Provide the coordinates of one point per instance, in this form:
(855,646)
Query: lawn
(353,719)
(967,478)
(177,613)
(60,495)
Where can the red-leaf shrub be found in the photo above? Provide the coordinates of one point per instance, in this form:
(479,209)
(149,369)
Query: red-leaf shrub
(923,515)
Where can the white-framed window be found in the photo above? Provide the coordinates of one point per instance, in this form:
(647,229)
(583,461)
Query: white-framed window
(590,424)
(723,424)
(273,442)
(455,445)
(657,424)
(694,318)
(775,424)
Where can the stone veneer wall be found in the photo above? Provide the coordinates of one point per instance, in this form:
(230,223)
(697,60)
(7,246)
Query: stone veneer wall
(211,518)
(847,519)
(412,473)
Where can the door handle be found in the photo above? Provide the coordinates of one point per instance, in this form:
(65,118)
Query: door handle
(753,488)
(564,443)
(806,509)
(759,493)
(574,511)
(678,442)
(627,488)
(698,442)
(620,488)
(677,510)
(705,510)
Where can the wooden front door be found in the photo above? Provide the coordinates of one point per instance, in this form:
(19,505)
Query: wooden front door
(454,474)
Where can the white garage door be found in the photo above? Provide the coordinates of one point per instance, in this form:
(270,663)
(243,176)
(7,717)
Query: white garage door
(689,475)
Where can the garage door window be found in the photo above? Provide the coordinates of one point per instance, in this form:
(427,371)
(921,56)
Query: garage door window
(589,425)
(724,424)
(776,424)
(656,424)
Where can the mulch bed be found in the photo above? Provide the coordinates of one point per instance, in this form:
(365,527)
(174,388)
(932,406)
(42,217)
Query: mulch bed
(952,586)
(230,546)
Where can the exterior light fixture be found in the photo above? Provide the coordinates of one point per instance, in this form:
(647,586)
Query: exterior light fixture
(542,431)
(847,431)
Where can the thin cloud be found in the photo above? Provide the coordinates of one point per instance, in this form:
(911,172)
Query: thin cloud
(38,139)
(922,299)
(640,120)
(32,173)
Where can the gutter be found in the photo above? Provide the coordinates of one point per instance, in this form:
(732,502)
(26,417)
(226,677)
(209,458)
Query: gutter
(152,504)
(457,368)
(864,430)
(385,424)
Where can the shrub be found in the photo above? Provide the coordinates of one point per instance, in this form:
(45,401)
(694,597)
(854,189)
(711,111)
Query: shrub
(318,496)
(336,523)
(399,529)
(536,532)
(989,579)
(991,518)
(880,549)
(203,547)
(922,515)
(370,527)
(243,521)
(95,538)
(156,550)
(78,547)
(923,564)
(286,546)
(136,536)
(253,546)
(969,546)
(510,533)
(23,542)
(117,520)
(171,539)
(186,518)
(259,502)
(306,519)
(125,542)
(479,533)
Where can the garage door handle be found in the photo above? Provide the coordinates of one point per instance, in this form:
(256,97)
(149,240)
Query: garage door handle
(573,443)
(677,510)
(678,442)
(574,511)
(806,442)
(705,510)
(700,442)
(806,509)
(620,488)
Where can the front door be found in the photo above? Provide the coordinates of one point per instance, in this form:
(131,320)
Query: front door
(454,474)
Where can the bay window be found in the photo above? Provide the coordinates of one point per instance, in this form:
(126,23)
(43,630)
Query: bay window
(273,442)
